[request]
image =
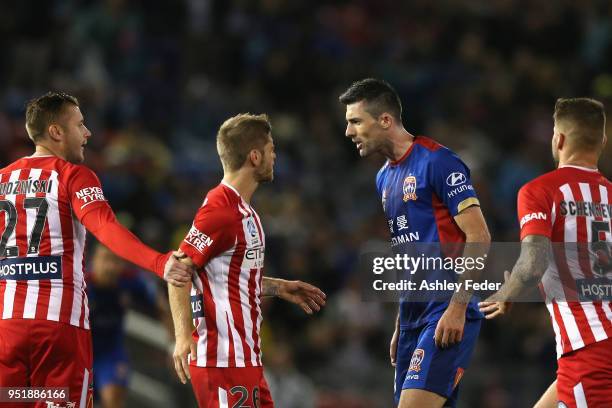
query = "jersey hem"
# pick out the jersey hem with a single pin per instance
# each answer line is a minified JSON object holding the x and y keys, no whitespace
{"x":47,"y":320}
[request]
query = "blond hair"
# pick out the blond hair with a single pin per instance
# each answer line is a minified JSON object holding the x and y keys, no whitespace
{"x":43,"y":111}
{"x":239,"y":135}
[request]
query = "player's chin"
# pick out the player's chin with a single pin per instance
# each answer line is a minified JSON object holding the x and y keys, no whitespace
{"x":77,"y":158}
{"x":363,"y":152}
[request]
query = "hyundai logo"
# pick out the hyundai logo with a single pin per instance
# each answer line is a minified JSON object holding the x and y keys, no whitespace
{"x":455,"y":179}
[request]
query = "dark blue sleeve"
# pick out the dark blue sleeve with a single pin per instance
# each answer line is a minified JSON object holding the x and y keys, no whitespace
{"x":450,"y":179}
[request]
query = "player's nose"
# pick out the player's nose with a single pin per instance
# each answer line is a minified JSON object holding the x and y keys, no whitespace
{"x":349,"y":132}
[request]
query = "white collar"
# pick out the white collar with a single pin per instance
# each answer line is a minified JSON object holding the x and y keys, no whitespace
{"x":226,"y":184}
{"x":579,"y":168}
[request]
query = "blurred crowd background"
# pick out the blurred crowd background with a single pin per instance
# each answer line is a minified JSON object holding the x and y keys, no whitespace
{"x":156,"y":78}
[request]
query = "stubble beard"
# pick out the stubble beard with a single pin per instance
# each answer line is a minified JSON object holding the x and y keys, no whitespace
{"x":264,"y":176}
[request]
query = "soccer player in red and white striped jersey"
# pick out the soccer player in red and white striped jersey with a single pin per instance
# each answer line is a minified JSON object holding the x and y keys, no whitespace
{"x":227,"y":245}
{"x":47,"y":202}
{"x":570,"y":205}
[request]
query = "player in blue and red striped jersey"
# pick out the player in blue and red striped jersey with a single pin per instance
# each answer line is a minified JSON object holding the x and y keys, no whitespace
{"x":427,"y":197}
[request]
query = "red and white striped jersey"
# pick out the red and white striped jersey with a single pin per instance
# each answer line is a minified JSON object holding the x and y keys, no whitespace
{"x":572,"y":205}
{"x":227,"y":244}
{"x":42,"y":200}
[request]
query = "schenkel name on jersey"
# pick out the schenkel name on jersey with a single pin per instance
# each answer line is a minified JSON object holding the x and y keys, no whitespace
{"x":585,"y":209}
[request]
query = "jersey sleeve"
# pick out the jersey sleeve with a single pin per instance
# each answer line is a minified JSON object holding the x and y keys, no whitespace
{"x":85,"y":191}
{"x":93,"y":211}
{"x":451,"y":181}
{"x":213,"y":232}
{"x":534,"y":211}
{"x":103,"y":224}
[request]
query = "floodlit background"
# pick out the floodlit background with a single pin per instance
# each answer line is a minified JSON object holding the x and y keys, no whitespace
{"x":156,"y":78}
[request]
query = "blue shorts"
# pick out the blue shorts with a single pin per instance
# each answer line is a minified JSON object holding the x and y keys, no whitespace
{"x":111,"y":368}
{"x":422,"y":365}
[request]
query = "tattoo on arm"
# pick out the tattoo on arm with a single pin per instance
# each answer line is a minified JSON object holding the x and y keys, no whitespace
{"x":270,"y":287}
{"x":529,"y":268}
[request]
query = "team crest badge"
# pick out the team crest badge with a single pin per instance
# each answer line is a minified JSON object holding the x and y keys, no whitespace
{"x":409,"y":188}
{"x":253,"y":237}
{"x":251,"y":228}
{"x":416,"y":360}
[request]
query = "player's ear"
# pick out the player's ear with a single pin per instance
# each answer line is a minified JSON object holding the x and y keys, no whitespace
{"x":55,"y":132}
{"x":385,"y":120}
{"x":559,"y":141}
{"x":255,"y":157}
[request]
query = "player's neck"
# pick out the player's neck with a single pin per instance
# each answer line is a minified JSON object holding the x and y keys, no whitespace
{"x":243,"y":183}
{"x":42,"y":150}
{"x":589,"y":162}
{"x":400,"y":143}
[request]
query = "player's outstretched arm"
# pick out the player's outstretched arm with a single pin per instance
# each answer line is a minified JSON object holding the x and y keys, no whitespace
{"x":180,"y":308}
{"x":526,"y":273}
{"x":308,"y":297}
{"x":103,"y":224}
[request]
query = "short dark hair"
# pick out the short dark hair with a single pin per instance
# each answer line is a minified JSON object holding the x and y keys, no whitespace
{"x":378,"y":94}
{"x":44,"y":110}
{"x":239,"y":135}
{"x":589,"y":117}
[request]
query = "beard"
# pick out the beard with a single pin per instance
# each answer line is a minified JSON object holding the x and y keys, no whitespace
{"x":264,"y":175}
